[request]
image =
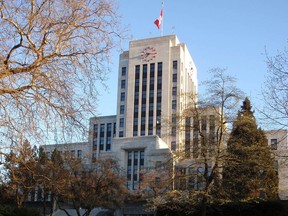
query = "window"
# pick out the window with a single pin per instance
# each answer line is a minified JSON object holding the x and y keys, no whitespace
{"x":174,"y":91}
{"x":123,"y":71}
{"x":136,"y":109}
{"x":158,"y":106}
{"x":135,"y":162}
{"x":123,"y":84}
{"x":114,"y":129}
{"x":151,"y":80}
{"x":121,"y":124}
{"x":151,"y":107}
{"x":144,"y":96}
{"x":144,"y":68}
{"x":122,"y":96}
{"x":109,"y":127}
{"x":95,"y":130}
{"x":212,"y":124}
{"x":173,"y":131}
{"x":159,"y":69}
{"x":200,"y":173}
{"x":203,"y":123}
{"x":136,"y":85}
{"x":174,"y":64}
{"x":122,"y":109}
{"x":108,"y":143}
{"x":121,"y":133}
{"x":108,"y":140}
{"x":136,"y":96}
{"x":174,"y":104}
{"x":276,"y":166}
{"x":137,"y":71}
{"x":95,"y":127}
{"x":274,"y":143}
{"x":102,"y":128}
{"x":79,"y":153}
{"x":173,"y":145}
{"x":174,"y":119}
{"x":174,"y":77}
{"x":187,"y":122}
{"x":143,"y":108}
{"x":152,"y":69}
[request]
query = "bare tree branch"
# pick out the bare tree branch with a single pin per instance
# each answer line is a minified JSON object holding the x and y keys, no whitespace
{"x":54,"y":57}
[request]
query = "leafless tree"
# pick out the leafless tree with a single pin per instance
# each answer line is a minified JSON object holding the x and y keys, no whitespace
{"x":54,"y":55}
{"x":275,"y":90}
{"x":100,"y":184}
{"x":204,"y":126}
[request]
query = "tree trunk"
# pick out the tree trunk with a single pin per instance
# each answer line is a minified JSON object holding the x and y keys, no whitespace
{"x":53,"y":205}
{"x":204,"y":206}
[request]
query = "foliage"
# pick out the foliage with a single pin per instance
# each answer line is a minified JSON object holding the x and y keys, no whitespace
{"x":6,"y":210}
{"x":53,"y":56}
{"x":249,"y":170}
{"x":21,"y":166}
{"x":263,"y":208}
{"x":175,"y":203}
{"x":6,"y":197}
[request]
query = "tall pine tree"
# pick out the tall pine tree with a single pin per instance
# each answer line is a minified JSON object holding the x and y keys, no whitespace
{"x":249,"y":169}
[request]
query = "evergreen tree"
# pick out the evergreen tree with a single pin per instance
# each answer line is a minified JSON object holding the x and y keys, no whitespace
{"x":249,"y":170}
{"x":20,"y":165}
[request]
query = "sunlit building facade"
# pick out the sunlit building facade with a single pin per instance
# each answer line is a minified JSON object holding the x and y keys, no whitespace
{"x":157,"y":79}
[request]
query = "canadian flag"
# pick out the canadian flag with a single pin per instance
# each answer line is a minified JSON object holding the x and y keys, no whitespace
{"x":158,"y":21}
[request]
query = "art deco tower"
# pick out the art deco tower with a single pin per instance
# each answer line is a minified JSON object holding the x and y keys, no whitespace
{"x":153,"y":75}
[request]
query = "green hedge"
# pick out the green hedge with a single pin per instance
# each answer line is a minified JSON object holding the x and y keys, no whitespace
{"x":6,"y":210}
{"x":269,"y":208}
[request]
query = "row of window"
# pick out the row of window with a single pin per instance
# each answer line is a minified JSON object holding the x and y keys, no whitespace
{"x":143,"y":97}
{"x":71,"y":153}
{"x":122,"y":99}
{"x":102,"y":137}
{"x":174,"y":105}
{"x":135,"y":164}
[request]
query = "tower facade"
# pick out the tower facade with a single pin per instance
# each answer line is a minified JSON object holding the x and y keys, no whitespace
{"x":154,"y":76}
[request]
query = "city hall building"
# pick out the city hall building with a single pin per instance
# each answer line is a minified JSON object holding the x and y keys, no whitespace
{"x":157,"y":79}
{"x":151,"y":76}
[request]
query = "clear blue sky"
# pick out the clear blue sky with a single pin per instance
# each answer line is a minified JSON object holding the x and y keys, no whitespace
{"x":229,"y":34}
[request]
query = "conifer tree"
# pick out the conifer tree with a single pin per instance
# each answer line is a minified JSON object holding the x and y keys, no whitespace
{"x":249,"y":170}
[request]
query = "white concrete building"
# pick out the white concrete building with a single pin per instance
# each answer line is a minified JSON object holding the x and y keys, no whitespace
{"x":152,"y":76}
{"x":278,"y":140}
{"x":155,"y":75}
{"x":102,"y":130}
{"x":79,"y":150}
